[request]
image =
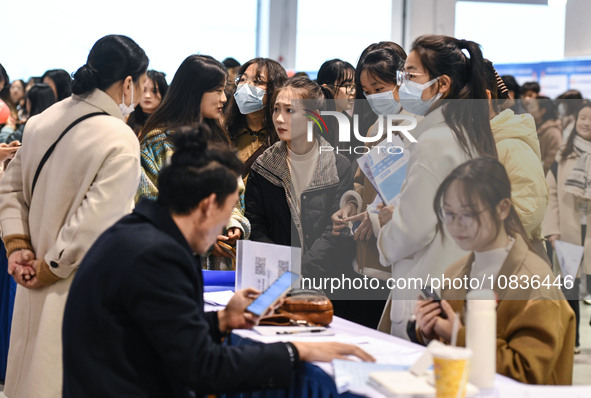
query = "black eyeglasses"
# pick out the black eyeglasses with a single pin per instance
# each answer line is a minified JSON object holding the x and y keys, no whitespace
{"x":242,"y":79}
{"x":349,"y":88}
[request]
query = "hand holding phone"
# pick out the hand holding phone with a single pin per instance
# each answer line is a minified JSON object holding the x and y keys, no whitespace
{"x":273,"y":293}
{"x":429,"y":293}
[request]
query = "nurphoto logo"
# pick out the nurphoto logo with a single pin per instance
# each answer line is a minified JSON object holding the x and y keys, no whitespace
{"x":393,"y":125}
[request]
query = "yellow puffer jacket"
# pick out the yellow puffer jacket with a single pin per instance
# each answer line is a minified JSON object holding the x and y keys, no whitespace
{"x":519,"y":151}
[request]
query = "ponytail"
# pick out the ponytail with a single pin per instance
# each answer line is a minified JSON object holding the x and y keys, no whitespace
{"x":469,"y":120}
{"x":111,"y":59}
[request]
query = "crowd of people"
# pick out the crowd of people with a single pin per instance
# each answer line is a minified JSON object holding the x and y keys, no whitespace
{"x":119,"y":187}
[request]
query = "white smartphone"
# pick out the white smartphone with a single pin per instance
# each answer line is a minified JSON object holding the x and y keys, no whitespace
{"x":273,"y":293}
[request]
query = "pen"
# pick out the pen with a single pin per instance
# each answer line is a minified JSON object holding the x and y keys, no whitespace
{"x":301,"y":331}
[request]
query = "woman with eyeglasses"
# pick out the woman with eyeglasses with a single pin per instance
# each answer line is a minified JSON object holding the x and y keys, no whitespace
{"x":535,"y":332}
{"x":337,"y":79}
{"x":250,"y":118}
{"x":439,"y":71}
{"x":195,"y":95}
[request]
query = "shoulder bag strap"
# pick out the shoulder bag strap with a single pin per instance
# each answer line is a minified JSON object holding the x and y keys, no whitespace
{"x":52,"y":147}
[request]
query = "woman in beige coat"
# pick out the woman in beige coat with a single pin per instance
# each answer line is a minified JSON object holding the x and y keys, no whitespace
{"x":86,"y":184}
{"x":570,"y":194}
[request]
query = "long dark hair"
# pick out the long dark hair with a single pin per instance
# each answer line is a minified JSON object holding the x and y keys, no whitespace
{"x":41,"y":97}
{"x":570,"y":143}
{"x":276,"y":76}
{"x":366,"y":115}
{"x":4,"y":91}
{"x":62,"y":81}
{"x":469,"y":120}
{"x":489,"y":191}
{"x":551,"y":110}
{"x":111,"y":59}
{"x":138,"y":117}
{"x":181,"y":106}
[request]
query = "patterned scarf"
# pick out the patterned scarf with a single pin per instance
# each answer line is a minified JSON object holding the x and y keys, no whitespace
{"x":578,"y":182}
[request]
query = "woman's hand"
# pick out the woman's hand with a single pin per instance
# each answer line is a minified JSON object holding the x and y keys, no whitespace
{"x":365,"y":230}
{"x":21,"y":265}
{"x":339,"y":217}
{"x":385,"y":214}
{"x":552,"y":239}
{"x":7,"y":151}
{"x":427,"y":314}
{"x":444,"y":327}
{"x":233,"y":234}
{"x":218,"y":250}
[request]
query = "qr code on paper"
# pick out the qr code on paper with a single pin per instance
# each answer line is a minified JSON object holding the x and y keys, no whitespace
{"x":260,"y":267}
{"x":283,"y":267}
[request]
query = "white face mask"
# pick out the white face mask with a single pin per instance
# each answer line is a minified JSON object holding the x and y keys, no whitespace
{"x":410,"y":94}
{"x":249,"y":98}
{"x":383,"y":103}
{"x":127,"y":109}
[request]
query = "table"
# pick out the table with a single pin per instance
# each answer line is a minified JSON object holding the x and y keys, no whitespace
{"x":316,"y":381}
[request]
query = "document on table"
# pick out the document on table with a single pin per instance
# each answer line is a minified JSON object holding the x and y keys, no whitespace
{"x":259,"y":264}
{"x":354,"y":375}
{"x":385,"y":167}
{"x":218,"y":299}
{"x":569,"y":257}
{"x":404,"y":384}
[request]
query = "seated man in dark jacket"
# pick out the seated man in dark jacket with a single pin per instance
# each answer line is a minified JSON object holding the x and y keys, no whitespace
{"x":134,"y":322}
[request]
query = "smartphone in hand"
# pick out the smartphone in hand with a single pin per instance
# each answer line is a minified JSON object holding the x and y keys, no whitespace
{"x":273,"y":293}
{"x":428,"y":293}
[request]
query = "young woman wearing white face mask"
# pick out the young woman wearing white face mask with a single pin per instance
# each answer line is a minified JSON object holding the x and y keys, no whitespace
{"x":451,"y":133}
{"x":249,"y":119}
{"x":86,"y":184}
{"x":377,"y":75}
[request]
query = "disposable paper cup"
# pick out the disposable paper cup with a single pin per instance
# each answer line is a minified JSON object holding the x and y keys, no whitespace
{"x":451,"y":369}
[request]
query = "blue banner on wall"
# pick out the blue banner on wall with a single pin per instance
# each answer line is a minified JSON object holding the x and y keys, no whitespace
{"x":554,"y":77}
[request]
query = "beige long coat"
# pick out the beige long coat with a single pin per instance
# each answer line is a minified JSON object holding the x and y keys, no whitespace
{"x":562,"y":216}
{"x":86,"y":185}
